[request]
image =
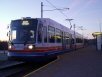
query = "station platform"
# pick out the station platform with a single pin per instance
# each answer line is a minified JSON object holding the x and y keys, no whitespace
{"x":3,"y":55}
{"x":85,"y":62}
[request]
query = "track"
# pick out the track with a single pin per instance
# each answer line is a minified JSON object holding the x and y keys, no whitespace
{"x":21,"y":69}
{"x":9,"y":69}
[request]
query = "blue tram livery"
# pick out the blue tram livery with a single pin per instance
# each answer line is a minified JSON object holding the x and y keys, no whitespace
{"x":40,"y":38}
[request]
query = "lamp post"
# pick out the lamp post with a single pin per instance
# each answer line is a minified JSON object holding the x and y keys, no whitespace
{"x":81,"y":28}
{"x":74,"y":26}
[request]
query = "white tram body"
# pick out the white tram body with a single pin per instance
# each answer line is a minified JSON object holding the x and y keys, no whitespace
{"x":38,"y":38}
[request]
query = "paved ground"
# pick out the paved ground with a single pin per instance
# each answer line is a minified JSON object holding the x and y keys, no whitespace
{"x":3,"y":56}
{"x":85,"y":62}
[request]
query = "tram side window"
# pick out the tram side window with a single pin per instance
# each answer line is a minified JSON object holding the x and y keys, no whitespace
{"x":67,"y":37}
{"x":78,"y":40}
{"x":58,"y":36}
{"x":40,"y":33}
{"x":45,"y":33}
{"x":51,"y":34}
{"x":72,"y":40}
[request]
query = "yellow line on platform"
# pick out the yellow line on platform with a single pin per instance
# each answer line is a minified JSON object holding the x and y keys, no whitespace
{"x":41,"y":68}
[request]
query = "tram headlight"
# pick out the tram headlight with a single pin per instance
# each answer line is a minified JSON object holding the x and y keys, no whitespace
{"x":9,"y":46}
{"x":30,"y":46}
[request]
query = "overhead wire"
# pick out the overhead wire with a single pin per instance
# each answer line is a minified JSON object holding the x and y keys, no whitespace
{"x":60,"y":12}
{"x":57,"y":8}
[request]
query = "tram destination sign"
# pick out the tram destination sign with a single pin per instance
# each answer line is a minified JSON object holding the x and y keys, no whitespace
{"x":25,"y":23}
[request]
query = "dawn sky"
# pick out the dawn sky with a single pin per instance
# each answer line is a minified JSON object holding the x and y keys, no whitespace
{"x":86,"y":13}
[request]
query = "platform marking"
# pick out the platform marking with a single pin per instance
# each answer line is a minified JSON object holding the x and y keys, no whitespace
{"x":41,"y":67}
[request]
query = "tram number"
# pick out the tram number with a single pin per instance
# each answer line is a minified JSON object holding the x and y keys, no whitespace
{"x":32,"y":34}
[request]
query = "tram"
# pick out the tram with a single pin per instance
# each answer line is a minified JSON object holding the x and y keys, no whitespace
{"x":39,"y":39}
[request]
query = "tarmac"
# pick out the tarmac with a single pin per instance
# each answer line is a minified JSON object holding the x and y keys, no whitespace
{"x":3,"y":55}
{"x":85,"y":62}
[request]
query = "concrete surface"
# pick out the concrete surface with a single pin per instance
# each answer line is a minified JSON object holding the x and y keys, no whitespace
{"x":3,"y":55}
{"x":86,"y":62}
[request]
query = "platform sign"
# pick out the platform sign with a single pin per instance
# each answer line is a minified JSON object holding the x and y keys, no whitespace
{"x":99,"y":42}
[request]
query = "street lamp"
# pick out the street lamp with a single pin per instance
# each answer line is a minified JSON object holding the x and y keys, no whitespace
{"x":74,"y":26}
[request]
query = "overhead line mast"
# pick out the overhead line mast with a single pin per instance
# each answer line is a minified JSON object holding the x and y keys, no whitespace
{"x":41,"y":9}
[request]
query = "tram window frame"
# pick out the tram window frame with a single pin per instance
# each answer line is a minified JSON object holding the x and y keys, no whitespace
{"x":67,"y":37}
{"x":72,"y":40}
{"x":78,"y":40}
{"x":40,"y":26}
{"x":51,"y":34}
{"x":59,"y":34}
{"x":14,"y":34}
{"x":45,"y":34}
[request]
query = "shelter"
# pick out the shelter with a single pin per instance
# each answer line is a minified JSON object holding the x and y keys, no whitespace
{"x":98,"y":36}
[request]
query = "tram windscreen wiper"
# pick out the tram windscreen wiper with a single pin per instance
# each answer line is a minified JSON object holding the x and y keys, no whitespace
{"x":25,"y":42}
{"x":12,"y":43}
{"x":25,"y":38}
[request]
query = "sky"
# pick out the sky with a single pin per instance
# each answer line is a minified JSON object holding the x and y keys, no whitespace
{"x":86,"y":13}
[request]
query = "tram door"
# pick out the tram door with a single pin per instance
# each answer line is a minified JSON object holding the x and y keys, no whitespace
{"x":64,"y":44}
{"x":65,"y":41}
